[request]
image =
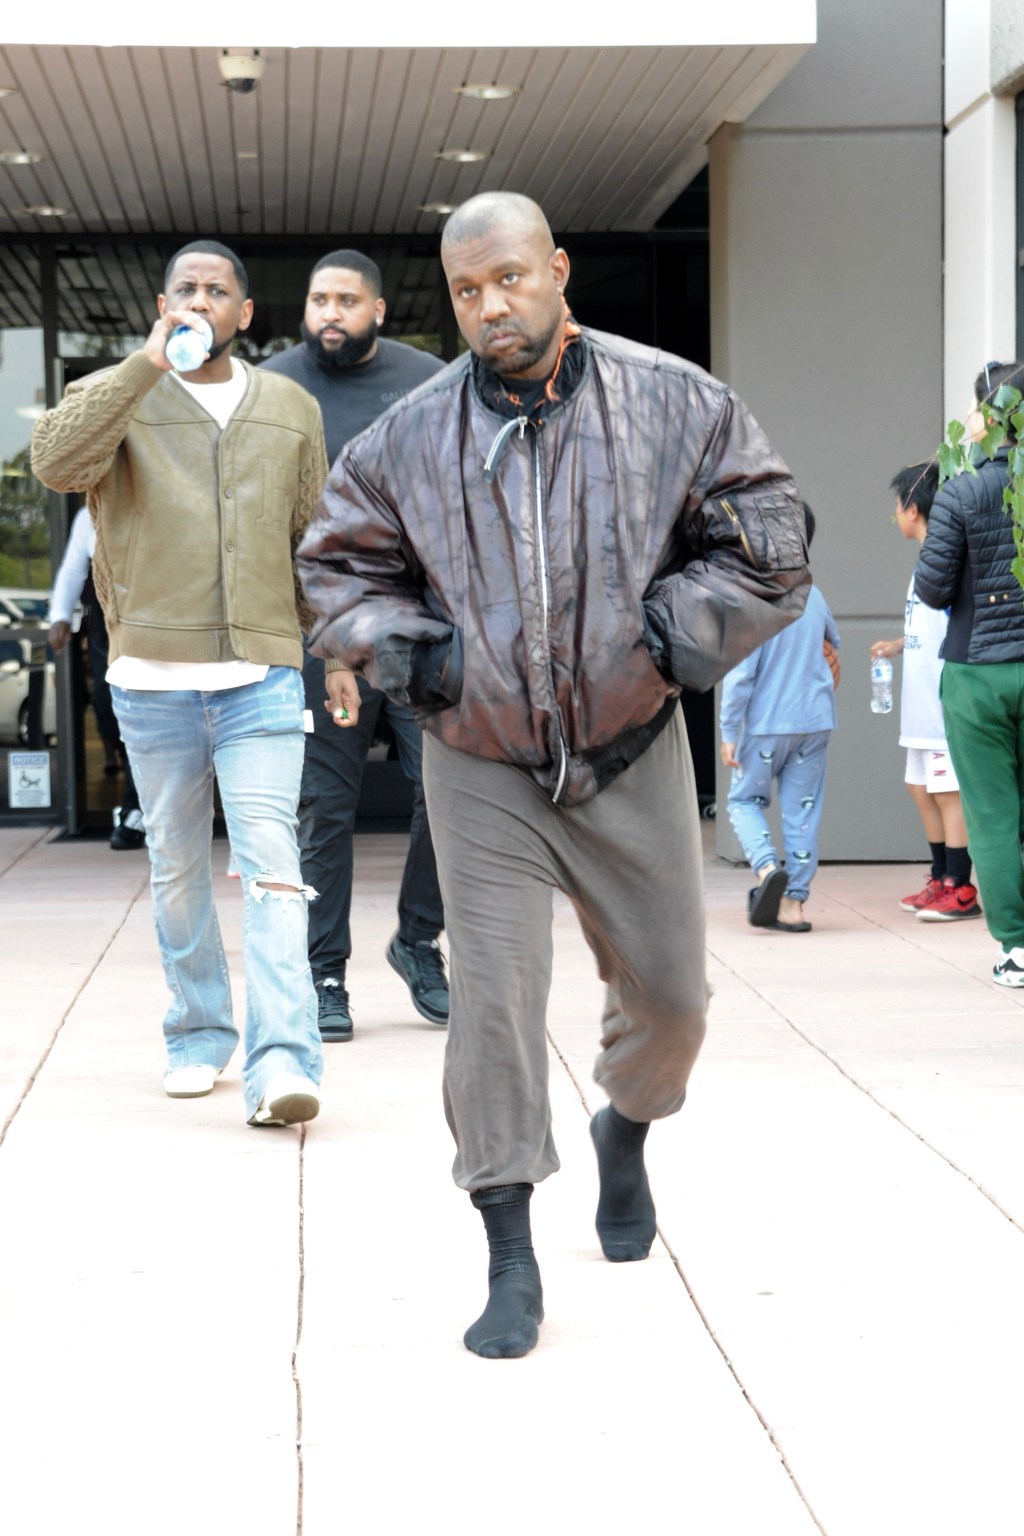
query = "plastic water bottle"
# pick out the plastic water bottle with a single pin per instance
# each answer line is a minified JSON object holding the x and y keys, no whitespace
{"x":186,"y":348}
{"x":881,"y":685}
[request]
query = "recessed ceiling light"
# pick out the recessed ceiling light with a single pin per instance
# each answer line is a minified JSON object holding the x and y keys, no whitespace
{"x":8,"y":90}
{"x":493,"y":92}
{"x":247,"y":154}
{"x":437,"y":207}
{"x":47,"y":211}
{"x":20,"y":157}
{"x":462,"y":156}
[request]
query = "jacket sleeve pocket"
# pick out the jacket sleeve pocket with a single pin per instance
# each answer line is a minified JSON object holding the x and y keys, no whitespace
{"x":767,"y":526}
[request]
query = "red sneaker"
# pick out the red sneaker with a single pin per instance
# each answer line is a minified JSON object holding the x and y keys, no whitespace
{"x":953,"y":903}
{"x":931,"y":892}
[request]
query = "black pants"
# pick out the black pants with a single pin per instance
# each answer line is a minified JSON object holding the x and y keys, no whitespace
{"x":332,"y":776}
{"x":110,"y":731}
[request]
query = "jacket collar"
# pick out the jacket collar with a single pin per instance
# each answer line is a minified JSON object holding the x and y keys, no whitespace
{"x":513,"y":399}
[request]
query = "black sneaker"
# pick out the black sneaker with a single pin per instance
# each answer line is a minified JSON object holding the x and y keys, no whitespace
{"x":421,"y":967}
{"x":333,"y":1016}
{"x":129,"y":831}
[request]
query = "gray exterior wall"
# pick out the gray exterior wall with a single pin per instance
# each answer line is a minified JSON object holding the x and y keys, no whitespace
{"x":1007,"y":45}
{"x":826,"y":317}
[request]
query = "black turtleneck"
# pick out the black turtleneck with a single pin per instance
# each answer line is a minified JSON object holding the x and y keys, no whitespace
{"x":533,"y":402}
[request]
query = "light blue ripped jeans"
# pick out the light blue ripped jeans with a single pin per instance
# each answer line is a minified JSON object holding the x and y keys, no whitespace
{"x":797,"y":763}
{"x":252,"y":739}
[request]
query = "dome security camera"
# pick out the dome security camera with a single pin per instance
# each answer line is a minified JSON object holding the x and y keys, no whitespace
{"x":241,"y":72}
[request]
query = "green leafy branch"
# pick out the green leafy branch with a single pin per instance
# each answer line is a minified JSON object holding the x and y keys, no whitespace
{"x":1003,"y":416}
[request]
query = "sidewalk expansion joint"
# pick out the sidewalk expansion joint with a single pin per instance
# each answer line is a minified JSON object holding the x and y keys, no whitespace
{"x":31,"y":847}
{"x":872,"y":1098}
{"x":299,"y":1306}
{"x":755,"y":1410}
{"x":41,"y":1063}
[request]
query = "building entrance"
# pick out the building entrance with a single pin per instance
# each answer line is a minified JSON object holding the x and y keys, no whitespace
{"x":96,"y":299}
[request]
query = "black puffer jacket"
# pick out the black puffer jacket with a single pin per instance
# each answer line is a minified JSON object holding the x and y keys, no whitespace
{"x":516,"y":581}
{"x":964,"y":565}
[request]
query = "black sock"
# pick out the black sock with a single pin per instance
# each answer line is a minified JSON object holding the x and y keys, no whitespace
{"x":958,"y":865}
{"x":625,"y":1210}
{"x":939,"y":856}
{"x":507,"y":1327}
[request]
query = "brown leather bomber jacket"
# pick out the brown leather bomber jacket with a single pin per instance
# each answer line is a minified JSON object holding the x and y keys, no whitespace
{"x":542,"y":594}
{"x":195,"y":527}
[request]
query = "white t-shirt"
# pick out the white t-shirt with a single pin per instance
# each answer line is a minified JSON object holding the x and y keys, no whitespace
{"x":921,"y":722}
{"x":221,"y":401}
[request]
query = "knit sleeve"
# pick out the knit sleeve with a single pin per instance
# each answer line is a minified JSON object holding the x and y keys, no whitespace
{"x":312,"y":476}
{"x":74,"y":445}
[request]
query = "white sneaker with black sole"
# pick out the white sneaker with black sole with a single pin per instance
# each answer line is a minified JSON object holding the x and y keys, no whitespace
{"x":1008,"y":970}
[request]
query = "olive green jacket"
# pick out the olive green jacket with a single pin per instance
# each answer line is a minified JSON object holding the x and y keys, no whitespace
{"x":196,"y":528}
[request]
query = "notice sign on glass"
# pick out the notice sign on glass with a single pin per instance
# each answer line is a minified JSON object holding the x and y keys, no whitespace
{"x":28,"y":780}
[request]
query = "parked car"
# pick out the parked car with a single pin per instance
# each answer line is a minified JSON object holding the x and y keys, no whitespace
{"x":19,"y":656}
{"x":22,"y":606}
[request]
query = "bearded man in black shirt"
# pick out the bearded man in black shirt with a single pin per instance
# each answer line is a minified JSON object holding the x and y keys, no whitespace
{"x":356,"y":374}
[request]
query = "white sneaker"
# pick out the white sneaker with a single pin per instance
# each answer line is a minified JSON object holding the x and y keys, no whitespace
{"x":1008,"y":970}
{"x":191,"y":1082}
{"x":288,"y":1100}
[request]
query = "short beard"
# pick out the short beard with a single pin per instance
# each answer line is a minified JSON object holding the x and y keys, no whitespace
{"x":220,"y":347}
{"x":531,"y":352}
{"x":352,"y":350}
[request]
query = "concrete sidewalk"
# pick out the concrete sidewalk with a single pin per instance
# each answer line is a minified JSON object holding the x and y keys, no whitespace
{"x":212,"y":1329}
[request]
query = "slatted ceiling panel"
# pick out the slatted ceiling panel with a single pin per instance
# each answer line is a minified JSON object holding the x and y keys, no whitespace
{"x":147,"y":139}
{"x":674,"y":151}
{"x":567,"y":163}
{"x":352,"y":95}
{"x":423,"y":92}
{"x":325,"y":137}
{"x":651,"y":103}
{"x":533,"y":144}
{"x":75,"y":175}
{"x":78,"y":81}
{"x":270,"y":106}
{"x":300,"y":72}
{"x":389,"y":79}
{"x":218,"y":126}
{"x":126,"y":69}
{"x":391,"y":89}
{"x":38,"y":183}
{"x":146,"y":204}
{"x":600,"y":193}
{"x":155,"y":85}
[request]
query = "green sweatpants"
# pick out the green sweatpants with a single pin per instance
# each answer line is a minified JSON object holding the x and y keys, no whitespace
{"x":983,"y":707}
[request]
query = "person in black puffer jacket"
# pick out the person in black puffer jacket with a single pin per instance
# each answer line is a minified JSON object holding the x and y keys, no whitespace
{"x":965,"y":566}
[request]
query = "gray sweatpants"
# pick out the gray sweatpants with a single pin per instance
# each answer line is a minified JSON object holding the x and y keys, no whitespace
{"x":630,"y":861}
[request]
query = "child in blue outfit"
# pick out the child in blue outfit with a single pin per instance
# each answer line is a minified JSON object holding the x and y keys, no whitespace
{"x":777,"y":713}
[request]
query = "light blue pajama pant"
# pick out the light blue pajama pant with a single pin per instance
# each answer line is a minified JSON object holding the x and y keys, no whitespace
{"x":797,"y":763}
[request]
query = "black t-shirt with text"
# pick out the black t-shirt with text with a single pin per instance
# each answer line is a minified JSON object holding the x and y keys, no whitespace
{"x":351,"y":398}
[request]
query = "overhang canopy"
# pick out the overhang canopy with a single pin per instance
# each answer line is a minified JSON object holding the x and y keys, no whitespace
{"x":125,"y":139}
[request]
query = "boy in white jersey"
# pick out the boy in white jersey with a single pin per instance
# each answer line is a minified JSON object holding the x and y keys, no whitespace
{"x":948,"y":895}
